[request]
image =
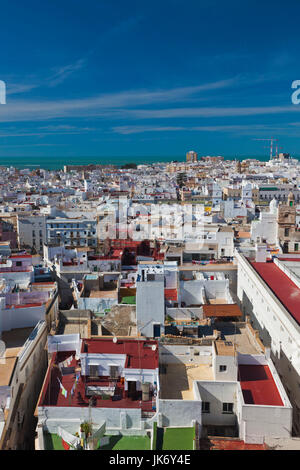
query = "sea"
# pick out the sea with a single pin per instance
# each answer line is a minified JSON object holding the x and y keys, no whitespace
{"x":58,"y":162}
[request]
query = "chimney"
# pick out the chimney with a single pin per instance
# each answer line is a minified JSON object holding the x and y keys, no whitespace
{"x":261,"y":253}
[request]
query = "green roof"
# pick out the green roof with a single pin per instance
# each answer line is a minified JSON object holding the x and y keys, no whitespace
{"x":268,"y":189}
{"x":127,"y":443}
{"x":178,"y":439}
{"x":130,"y":300}
{"x":52,"y":442}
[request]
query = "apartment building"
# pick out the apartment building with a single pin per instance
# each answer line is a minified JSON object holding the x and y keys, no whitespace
{"x":268,"y":291}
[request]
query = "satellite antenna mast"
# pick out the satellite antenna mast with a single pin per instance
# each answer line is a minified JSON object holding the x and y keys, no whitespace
{"x":271,"y":146}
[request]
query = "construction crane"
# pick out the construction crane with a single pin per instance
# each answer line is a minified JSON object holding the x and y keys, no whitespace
{"x":271,"y":145}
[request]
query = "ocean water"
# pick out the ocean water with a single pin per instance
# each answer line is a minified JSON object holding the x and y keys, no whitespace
{"x":57,"y":162}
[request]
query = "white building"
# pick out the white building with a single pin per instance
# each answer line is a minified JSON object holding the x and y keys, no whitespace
{"x":32,"y":232}
{"x":266,"y":227}
{"x":269,"y":293}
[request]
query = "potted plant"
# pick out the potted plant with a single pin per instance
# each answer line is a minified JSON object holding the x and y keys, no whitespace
{"x":86,"y":428}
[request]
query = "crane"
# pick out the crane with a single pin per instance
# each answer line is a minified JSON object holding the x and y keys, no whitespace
{"x":271,"y":145}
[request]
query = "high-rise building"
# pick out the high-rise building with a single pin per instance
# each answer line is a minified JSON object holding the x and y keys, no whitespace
{"x":191,"y":156}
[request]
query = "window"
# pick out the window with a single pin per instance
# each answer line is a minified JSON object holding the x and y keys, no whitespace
{"x":18,"y":263}
{"x":205,"y":407}
{"x":114,"y":372}
{"x":93,"y":370}
{"x":222,"y":368}
{"x":228,"y":408}
{"x":286,"y":232}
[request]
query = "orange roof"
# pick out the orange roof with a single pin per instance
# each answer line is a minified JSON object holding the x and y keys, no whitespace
{"x":229,"y":444}
{"x":171,"y":294}
{"x":222,"y":310}
{"x":244,"y":234}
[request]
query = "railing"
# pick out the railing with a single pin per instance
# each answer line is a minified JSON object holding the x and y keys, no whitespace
{"x":31,"y":338}
{"x":15,"y":269}
{"x":148,"y":414}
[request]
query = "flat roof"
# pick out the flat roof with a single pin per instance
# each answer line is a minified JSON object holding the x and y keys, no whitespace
{"x":177,"y":383}
{"x":292,"y":265}
{"x":139,"y":352}
{"x":224,"y":348}
{"x":7,"y":365}
{"x":281,"y":285}
{"x":14,"y":341}
{"x":258,"y":385}
{"x":222,"y":310}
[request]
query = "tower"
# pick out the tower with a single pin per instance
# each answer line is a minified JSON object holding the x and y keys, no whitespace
{"x":287,"y":222}
{"x":191,"y":156}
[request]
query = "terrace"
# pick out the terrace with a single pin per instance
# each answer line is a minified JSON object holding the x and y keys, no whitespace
{"x":258,"y":386}
{"x":14,"y":341}
{"x":177,"y":381}
{"x":101,"y":391}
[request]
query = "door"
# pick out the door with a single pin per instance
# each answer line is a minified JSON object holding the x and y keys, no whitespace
{"x":131,"y":389}
{"x":156,"y":331}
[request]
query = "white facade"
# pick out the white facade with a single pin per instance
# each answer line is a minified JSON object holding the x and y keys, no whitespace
{"x":277,"y":328}
{"x":32,"y":232}
{"x":266,"y":227}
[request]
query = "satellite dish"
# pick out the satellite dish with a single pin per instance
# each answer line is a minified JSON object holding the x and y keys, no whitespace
{"x":115,"y":339}
{"x":154,"y":347}
{"x":2,"y":348}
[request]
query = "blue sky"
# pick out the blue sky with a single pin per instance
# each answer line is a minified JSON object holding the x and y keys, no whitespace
{"x":140,"y":78}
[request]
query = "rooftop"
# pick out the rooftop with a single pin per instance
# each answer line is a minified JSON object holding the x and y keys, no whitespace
{"x":281,"y":285}
{"x":224,"y":348}
{"x":140,"y":354}
{"x":14,"y":341}
{"x":177,"y":382}
{"x":222,"y":310}
{"x":258,"y":385}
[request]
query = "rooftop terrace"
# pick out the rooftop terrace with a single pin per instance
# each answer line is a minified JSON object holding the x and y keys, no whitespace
{"x":112,"y":393}
{"x":258,"y":385}
{"x":177,"y":382}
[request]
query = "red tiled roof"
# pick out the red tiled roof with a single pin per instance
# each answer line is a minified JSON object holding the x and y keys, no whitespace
{"x":229,"y":444}
{"x":258,"y":385}
{"x":282,"y":286}
{"x":222,"y":310}
{"x":171,"y":294}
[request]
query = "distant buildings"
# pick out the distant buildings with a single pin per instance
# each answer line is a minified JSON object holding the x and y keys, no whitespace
{"x":191,"y":156}
{"x":165,"y":296}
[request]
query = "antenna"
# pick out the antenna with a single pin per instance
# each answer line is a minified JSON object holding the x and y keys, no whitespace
{"x":271,"y":145}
